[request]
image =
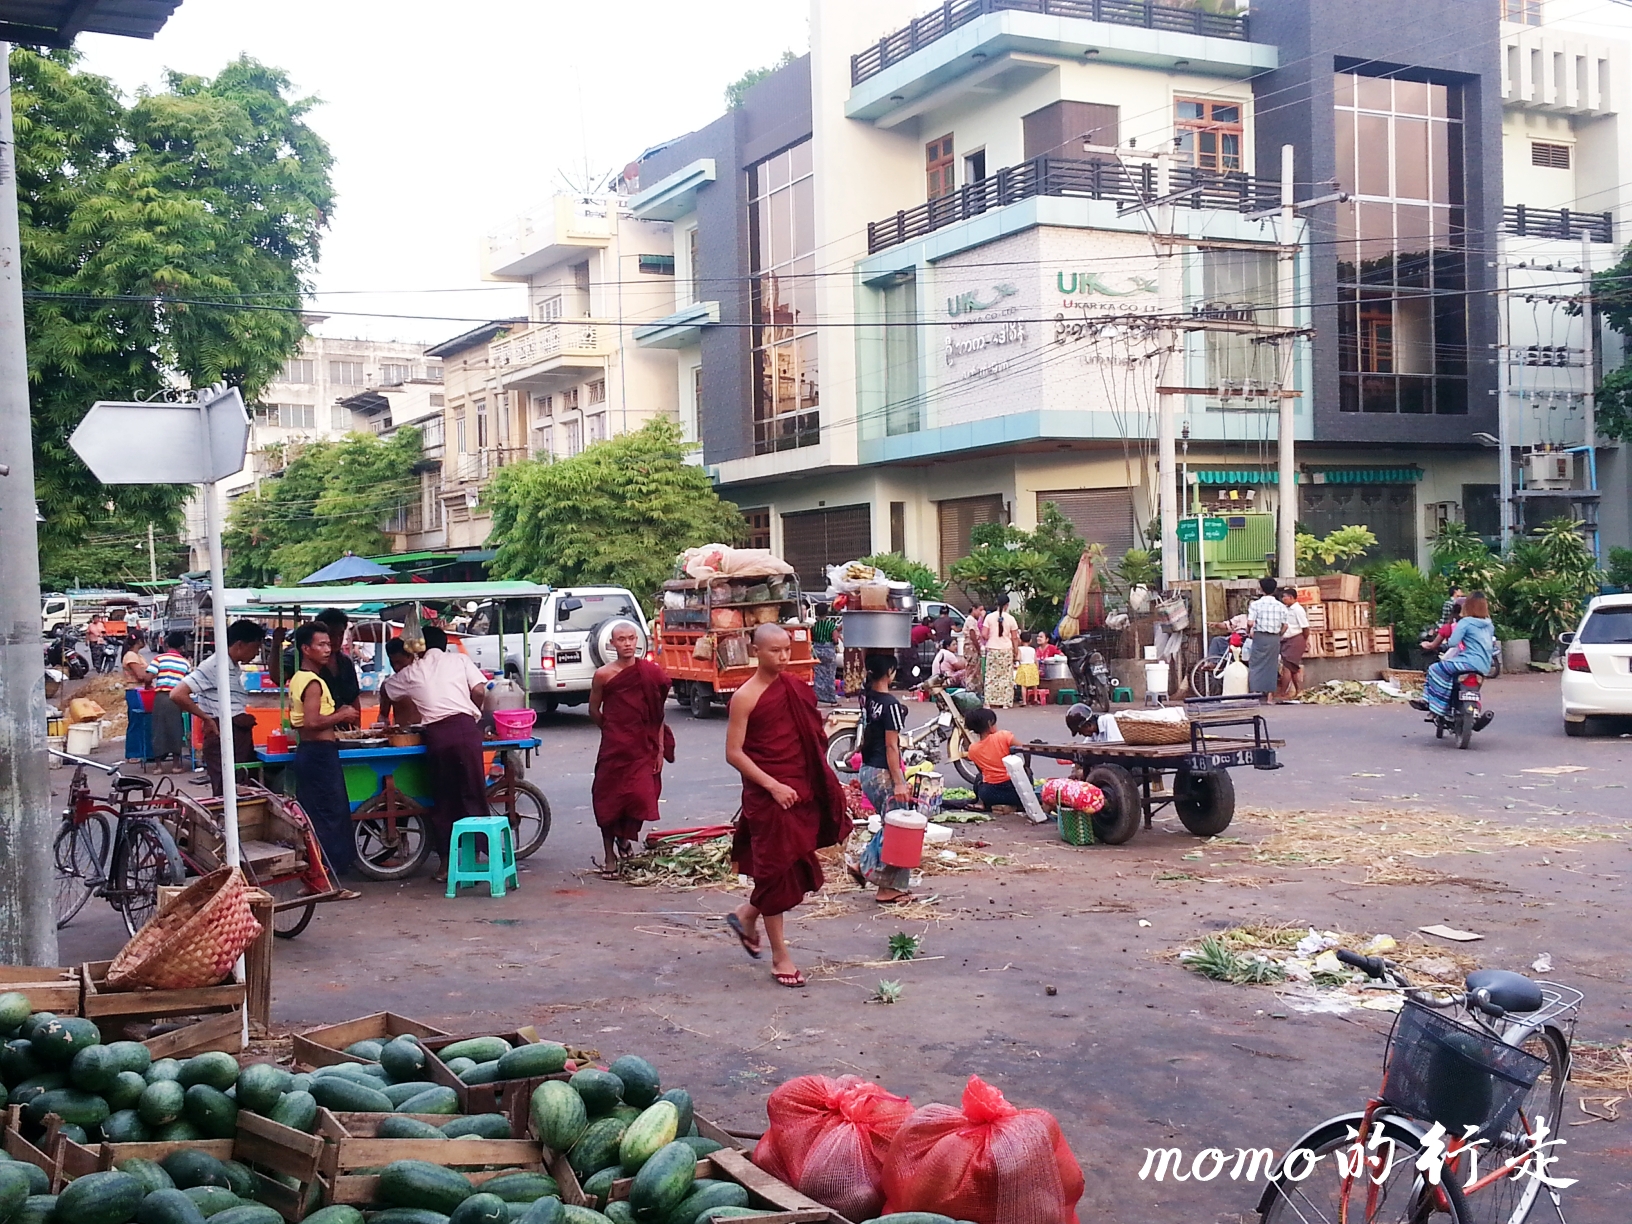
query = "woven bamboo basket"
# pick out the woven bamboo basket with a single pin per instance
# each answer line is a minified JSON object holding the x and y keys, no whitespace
{"x":1149,"y":732}
{"x":193,"y":940}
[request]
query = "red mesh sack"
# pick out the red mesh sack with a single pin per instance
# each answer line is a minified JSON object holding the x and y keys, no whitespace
{"x":987,"y":1162}
{"x":828,"y":1137}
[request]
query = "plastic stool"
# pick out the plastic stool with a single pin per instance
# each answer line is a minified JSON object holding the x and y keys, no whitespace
{"x":1066,"y":697}
{"x":1037,"y":696}
{"x":1122,"y":695}
{"x":501,"y":855}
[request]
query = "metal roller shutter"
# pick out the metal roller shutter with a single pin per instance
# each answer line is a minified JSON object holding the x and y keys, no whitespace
{"x":812,"y":540}
{"x":958,"y":517}
{"x":1101,"y":516}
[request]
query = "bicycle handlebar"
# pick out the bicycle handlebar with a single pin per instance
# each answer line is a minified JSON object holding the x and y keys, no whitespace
{"x":110,"y":770}
{"x":1377,"y":967}
{"x":1372,"y":966}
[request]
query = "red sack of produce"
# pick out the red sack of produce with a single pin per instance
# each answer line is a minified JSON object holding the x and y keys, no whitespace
{"x":987,"y":1162}
{"x":828,"y":1137}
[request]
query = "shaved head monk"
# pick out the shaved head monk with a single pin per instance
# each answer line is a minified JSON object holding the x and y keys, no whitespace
{"x":626,"y":702}
{"x":792,"y":804}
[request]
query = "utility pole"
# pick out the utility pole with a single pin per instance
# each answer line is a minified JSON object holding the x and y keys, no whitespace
{"x":1286,"y":535}
{"x":1170,"y":293}
{"x":1504,"y":446}
{"x":152,"y":563}
{"x":28,"y":930}
{"x":1589,"y":397}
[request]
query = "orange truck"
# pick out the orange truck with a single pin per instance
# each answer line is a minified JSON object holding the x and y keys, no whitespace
{"x":703,"y":627}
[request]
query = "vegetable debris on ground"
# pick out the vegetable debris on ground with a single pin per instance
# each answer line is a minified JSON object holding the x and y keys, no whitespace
{"x":702,"y":865}
{"x":1347,"y":692}
{"x":1269,"y":953}
{"x":1372,"y":837}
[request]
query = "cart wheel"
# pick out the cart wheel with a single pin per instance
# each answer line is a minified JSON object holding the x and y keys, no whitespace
{"x":1118,"y":820}
{"x":841,"y":746}
{"x":531,"y":823}
{"x":287,"y":923}
{"x":967,"y":769}
{"x":1205,"y":801}
{"x":701,"y":699}
{"x":379,"y":855}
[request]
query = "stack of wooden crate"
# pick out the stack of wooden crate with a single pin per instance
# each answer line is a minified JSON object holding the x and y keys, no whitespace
{"x":1340,"y":627}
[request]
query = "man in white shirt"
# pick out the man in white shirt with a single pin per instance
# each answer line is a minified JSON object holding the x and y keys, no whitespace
{"x":1294,"y":641}
{"x":446,"y":688}
{"x":197,"y":695}
{"x":1266,"y":617}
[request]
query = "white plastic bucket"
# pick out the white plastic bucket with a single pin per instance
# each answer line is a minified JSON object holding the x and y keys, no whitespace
{"x":1156,"y":677}
{"x":81,"y":739}
{"x":56,"y":743}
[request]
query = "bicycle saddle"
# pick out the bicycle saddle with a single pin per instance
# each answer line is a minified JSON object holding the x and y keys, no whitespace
{"x":1509,"y":991}
{"x":145,"y":785}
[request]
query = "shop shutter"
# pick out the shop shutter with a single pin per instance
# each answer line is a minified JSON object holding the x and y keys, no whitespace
{"x":958,"y":518}
{"x":1101,"y":516}
{"x":812,"y":540}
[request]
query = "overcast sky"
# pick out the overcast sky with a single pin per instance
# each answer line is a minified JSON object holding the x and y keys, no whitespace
{"x":446,"y":119}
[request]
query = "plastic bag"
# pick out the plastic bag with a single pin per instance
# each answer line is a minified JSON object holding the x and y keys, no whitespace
{"x":987,"y":1162}
{"x":828,"y":1139}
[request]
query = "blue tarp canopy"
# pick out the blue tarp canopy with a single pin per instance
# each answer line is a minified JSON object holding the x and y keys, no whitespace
{"x":348,"y":569}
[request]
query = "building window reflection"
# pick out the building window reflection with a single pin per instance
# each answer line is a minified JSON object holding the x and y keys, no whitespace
{"x":782,"y":240}
{"x":1401,"y":248}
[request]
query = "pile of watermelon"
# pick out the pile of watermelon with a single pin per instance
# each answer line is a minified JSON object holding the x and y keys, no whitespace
{"x":398,"y":1065}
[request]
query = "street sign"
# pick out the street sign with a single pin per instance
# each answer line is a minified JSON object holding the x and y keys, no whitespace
{"x":1212,"y":529}
{"x":165,"y":443}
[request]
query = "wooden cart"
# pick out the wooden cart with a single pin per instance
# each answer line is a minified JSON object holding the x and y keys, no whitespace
{"x":279,"y":849}
{"x":1138,"y":780}
{"x":721,"y":613}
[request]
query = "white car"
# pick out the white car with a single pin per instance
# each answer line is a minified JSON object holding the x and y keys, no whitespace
{"x":1597,"y":676}
{"x":565,"y":639}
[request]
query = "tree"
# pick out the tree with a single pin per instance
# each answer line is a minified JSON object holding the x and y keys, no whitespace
{"x":1612,"y":302}
{"x":619,"y":513}
{"x":926,"y":583}
{"x":164,"y":244}
{"x":738,"y":89}
{"x":329,"y":500}
{"x":1035,"y":565}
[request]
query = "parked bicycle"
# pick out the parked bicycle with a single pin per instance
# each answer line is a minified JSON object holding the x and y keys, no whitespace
{"x":1207,"y":676}
{"x":1492,"y":1076}
{"x":125,"y":864}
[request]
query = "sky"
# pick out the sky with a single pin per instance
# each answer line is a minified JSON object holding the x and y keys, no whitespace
{"x":448,"y":120}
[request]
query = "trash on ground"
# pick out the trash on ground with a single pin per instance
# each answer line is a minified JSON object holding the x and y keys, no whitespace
{"x":1302,"y":963}
{"x":703,"y":865}
{"x":1446,"y":932}
{"x":1542,"y":963}
{"x":1554,"y":770}
{"x":1352,"y":692}
{"x":1372,"y":836}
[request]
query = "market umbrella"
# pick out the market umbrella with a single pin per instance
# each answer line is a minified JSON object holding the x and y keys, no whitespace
{"x":1076,"y":599}
{"x":348,"y":568}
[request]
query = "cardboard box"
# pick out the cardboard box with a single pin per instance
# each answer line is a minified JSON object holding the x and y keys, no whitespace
{"x":326,"y":1045}
{"x":49,"y":989}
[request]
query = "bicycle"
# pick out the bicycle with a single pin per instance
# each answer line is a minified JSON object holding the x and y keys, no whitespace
{"x":1493,"y":1080}
{"x":126,"y":867}
{"x":1207,"y":676}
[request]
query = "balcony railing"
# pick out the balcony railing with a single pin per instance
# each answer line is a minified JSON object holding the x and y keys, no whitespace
{"x":1087,"y":180}
{"x":1522,"y":221}
{"x":545,"y":342}
{"x":949,"y":16}
{"x":480,"y":465}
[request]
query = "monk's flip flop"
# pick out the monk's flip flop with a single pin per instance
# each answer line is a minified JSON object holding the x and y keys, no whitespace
{"x":793,"y":981}
{"x":902,"y":899}
{"x":735,"y":923}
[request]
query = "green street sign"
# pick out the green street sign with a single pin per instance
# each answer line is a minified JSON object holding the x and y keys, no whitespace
{"x":1212,"y":529}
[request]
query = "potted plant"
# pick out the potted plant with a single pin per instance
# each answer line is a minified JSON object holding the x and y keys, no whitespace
{"x":1138,"y":572}
{"x":1336,"y":553}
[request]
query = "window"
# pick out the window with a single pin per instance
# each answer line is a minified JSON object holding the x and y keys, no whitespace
{"x":543,"y":406}
{"x":436,"y":399}
{"x":1209,"y":133}
{"x":481,"y":424}
{"x":461,"y":439}
{"x":431,"y":435}
{"x":694,"y":265}
{"x":898,"y":527}
{"x":1524,"y":12}
{"x":501,"y":410}
{"x":340,"y":418}
{"x":288,"y":416}
{"x":549,"y":309}
{"x":572,"y":437}
{"x":974,"y":166}
{"x":1549,"y":156}
{"x":940,"y":171}
{"x":595,"y":428}
{"x":580,"y":276}
{"x":346,"y":373}
{"x":569,"y":399}
{"x":1239,"y":285}
{"x":694,"y":426}
{"x":1401,"y":250}
{"x":657,"y":265}
{"x":296,"y":370}
{"x":782,"y":246}
{"x":546,"y":441}
{"x":433,"y":373}
{"x":392,"y":372}
{"x":597,"y":391}
{"x":902,"y":403}
{"x":759,"y":527}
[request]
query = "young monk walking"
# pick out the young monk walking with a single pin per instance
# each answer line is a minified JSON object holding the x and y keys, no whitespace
{"x":792,"y":804}
{"x":626,"y":702}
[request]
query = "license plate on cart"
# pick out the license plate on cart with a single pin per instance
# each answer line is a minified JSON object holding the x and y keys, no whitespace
{"x":1230,"y":758}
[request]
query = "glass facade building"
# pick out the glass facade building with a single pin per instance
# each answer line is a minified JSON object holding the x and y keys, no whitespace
{"x":1401,"y":251}
{"x":782,"y":244}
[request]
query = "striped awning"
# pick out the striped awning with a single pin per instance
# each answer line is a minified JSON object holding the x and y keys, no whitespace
{"x":1236,"y":476}
{"x":1405,"y":475}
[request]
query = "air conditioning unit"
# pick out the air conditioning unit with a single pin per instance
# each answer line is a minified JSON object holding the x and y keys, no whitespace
{"x":1550,"y":469}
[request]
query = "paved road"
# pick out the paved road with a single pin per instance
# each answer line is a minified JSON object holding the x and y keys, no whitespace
{"x":1040,"y":975}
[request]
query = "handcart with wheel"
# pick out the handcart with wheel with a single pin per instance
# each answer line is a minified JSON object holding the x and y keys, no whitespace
{"x":1138,"y":780}
{"x":278,"y":848}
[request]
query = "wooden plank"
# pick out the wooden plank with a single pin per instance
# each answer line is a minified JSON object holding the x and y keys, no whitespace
{"x":48,"y":987}
{"x":361,"y":1189}
{"x":258,"y":966}
{"x":267,"y":859}
{"x":102,"y":1002}
{"x":725,"y":1138}
{"x":372,"y":1153}
{"x":736,"y":1166}
{"x":280,"y":1148}
{"x":325,"y":1046}
{"x":224,"y":1032}
{"x":285,"y":1200}
{"x":620,"y":1188}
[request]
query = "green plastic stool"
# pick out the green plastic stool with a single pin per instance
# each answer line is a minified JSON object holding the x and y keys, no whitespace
{"x":1066,"y":697}
{"x":1122,"y":695}
{"x":501,"y":855}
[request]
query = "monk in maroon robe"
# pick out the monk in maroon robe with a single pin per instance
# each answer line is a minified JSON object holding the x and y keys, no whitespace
{"x":792,"y":804}
{"x":626,"y":702}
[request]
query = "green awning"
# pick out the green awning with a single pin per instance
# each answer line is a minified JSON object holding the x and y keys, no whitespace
{"x":399,"y":558}
{"x":1405,"y":475}
{"x":1236,"y":476}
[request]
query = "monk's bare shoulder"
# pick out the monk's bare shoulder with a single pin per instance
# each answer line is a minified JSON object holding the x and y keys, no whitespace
{"x":747,"y":697}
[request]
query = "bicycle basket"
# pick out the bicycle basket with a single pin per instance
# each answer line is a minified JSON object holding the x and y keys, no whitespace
{"x":1441,"y":1070}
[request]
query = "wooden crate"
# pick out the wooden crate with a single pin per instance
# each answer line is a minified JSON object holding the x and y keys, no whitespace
{"x":1341,"y":615}
{"x":502,"y":1096}
{"x":1335,"y":587}
{"x":19,"y":1148}
{"x":219,"y":1008}
{"x":1360,"y":642}
{"x":787,"y":1204}
{"x":48,"y":988}
{"x":1340,"y":643}
{"x":1320,"y":645}
{"x":1382,"y":639}
{"x":326,"y":1045}
{"x":1316,"y":612}
{"x":78,"y":1159}
{"x":270,"y":1148}
{"x":351,"y":1145}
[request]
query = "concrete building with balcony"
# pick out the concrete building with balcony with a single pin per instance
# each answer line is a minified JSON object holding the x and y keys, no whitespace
{"x":306,"y":403}
{"x":417,"y":524}
{"x":594,"y":273}
{"x":484,"y":427}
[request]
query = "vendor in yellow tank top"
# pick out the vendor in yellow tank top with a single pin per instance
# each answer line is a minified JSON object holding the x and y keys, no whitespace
{"x":320,"y":784}
{"x":298,"y":684}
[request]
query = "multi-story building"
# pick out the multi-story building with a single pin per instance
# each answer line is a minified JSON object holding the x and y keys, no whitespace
{"x":417,"y":523}
{"x":305,"y":403}
{"x":484,"y":427}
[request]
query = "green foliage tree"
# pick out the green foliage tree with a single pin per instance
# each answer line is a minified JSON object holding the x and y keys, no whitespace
{"x":1464,"y":560}
{"x":1545,"y":583}
{"x":738,"y":89}
{"x":1336,"y":552}
{"x":1035,"y":565}
{"x":1620,"y":567}
{"x":165,"y":242}
{"x":1612,"y":301}
{"x":926,"y":583}
{"x":617,"y":513}
{"x":331,"y":499}
{"x":1407,"y":599}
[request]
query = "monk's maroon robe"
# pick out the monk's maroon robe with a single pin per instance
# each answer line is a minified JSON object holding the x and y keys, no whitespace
{"x":634,"y":738}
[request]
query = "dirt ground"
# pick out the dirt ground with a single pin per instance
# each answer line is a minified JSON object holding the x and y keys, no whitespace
{"x":1050,"y":971}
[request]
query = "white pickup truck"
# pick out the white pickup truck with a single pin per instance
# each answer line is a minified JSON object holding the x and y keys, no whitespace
{"x":567,"y":636}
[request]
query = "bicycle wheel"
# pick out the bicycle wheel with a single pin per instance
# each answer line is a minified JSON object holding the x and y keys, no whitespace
{"x":384,"y":853}
{"x":1206,"y":680}
{"x":79,"y":852}
{"x":287,"y":922}
{"x":841,"y":746}
{"x":145,"y":859}
{"x":1402,"y":1195}
{"x":1509,"y":1200}
{"x":530,"y":824}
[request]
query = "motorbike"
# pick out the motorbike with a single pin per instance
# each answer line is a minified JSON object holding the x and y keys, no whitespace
{"x":1089,"y":670}
{"x":1468,"y":713}
{"x":62,"y":654}
{"x":944,"y":737}
{"x":107,"y":655}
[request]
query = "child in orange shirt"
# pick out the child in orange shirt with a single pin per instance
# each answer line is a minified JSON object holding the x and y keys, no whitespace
{"x":995,"y":790}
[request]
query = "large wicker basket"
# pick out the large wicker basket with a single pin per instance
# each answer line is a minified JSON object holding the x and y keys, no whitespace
{"x":193,"y":940}
{"x":1147,"y":732}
